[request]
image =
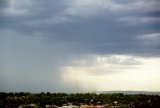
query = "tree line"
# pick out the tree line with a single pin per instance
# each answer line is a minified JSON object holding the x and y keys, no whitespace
{"x":13,"y":100}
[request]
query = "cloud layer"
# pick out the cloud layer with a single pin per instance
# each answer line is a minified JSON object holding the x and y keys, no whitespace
{"x":44,"y":42}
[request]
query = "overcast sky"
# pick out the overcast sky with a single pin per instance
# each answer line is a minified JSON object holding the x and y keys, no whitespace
{"x":79,"y":45}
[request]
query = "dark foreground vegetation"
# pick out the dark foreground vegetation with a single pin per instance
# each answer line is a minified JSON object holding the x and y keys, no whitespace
{"x":14,"y":100}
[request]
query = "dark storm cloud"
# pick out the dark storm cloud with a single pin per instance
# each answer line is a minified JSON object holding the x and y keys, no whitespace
{"x":3,"y":4}
{"x":12,"y":17}
{"x":102,"y":33}
{"x":72,"y":27}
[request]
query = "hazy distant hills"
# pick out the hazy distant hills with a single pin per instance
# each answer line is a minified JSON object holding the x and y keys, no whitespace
{"x":131,"y":92}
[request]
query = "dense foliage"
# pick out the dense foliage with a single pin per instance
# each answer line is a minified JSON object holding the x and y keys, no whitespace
{"x":12,"y":100}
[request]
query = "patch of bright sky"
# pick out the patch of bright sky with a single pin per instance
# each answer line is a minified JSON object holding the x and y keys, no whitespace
{"x":105,"y":74}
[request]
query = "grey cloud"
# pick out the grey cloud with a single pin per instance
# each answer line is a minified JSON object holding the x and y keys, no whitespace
{"x":3,"y":4}
{"x":150,"y":41}
{"x":33,"y":63}
{"x":36,"y":43}
{"x":102,"y":33}
{"x":126,"y":61}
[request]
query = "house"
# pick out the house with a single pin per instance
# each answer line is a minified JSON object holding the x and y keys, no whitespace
{"x":51,"y":106}
{"x":28,"y":105}
{"x":70,"y":106}
{"x":87,"y":106}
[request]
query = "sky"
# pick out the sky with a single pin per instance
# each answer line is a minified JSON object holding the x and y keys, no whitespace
{"x":79,"y":45}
